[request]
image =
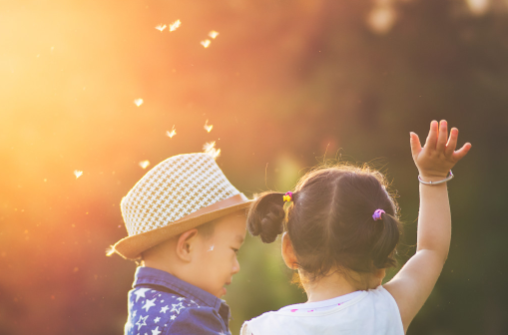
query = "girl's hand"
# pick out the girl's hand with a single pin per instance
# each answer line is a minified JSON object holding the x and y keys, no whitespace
{"x":435,"y":160}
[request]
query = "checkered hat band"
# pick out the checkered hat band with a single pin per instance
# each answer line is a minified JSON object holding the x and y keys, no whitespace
{"x":173,"y":189}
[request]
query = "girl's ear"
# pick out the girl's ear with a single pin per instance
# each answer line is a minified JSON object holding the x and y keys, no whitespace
{"x":288,"y":253}
{"x":185,"y":245}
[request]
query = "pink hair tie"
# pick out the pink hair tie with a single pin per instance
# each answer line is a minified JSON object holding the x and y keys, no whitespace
{"x":288,"y":196}
{"x":377,"y":214}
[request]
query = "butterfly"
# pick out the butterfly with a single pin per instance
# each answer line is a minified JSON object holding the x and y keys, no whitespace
{"x":209,"y":148}
{"x":161,"y":27}
{"x":173,"y":26}
{"x":171,"y":133}
{"x":208,"y":127}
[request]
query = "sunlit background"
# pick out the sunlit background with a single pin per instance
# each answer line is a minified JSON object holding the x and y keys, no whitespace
{"x":95,"y":93}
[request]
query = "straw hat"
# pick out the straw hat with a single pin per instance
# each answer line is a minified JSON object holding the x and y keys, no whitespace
{"x":178,"y":194}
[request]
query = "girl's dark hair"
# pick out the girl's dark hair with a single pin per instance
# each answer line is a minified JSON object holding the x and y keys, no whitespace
{"x":330,"y":221}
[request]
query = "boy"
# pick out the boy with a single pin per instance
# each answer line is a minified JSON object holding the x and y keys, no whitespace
{"x":185,"y":222}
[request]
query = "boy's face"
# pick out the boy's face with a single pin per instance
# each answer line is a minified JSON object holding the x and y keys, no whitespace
{"x":215,"y":257}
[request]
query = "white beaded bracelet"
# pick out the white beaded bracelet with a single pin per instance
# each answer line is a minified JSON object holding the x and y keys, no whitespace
{"x":450,"y":176}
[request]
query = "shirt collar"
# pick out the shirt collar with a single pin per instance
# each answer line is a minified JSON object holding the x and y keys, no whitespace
{"x":147,"y":275}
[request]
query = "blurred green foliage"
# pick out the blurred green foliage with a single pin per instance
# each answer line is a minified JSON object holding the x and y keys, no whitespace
{"x":287,"y":85}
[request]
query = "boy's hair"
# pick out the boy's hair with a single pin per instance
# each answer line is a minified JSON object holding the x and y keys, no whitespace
{"x":206,"y":230}
{"x":330,"y":221}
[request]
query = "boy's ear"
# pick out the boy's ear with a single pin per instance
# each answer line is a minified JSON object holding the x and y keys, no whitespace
{"x":288,"y":253}
{"x":185,"y":245}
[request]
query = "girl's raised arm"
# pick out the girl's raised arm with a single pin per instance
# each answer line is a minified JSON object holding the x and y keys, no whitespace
{"x":414,"y":282}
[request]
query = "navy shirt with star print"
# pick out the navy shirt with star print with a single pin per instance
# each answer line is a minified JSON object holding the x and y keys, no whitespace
{"x":161,"y":304}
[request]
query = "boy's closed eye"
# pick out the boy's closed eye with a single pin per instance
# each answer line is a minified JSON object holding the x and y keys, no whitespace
{"x":240,"y":240}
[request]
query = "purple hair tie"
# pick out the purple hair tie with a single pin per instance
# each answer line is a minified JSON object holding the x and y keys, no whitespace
{"x":377,"y":214}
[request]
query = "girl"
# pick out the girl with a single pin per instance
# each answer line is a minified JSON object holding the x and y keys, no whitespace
{"x":340,"y":235}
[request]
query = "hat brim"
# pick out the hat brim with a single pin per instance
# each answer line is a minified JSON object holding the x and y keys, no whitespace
{"x":131,"y":247}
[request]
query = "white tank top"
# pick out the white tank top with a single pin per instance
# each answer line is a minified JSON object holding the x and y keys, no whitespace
{"x":372,"y":312}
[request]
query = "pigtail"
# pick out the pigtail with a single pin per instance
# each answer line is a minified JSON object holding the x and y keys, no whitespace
{"x":266,"y":216}
{"x":382,"y":252}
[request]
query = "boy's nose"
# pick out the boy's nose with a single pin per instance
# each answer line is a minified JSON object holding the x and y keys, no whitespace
{"x":236,"y":266}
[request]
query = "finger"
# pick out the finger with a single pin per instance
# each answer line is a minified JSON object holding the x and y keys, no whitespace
{"x":452,"y":142}
{"x":459,"y":154}
{"x":442,"y":136}
{"x":416,"y":146}
{"x":432,"y":137}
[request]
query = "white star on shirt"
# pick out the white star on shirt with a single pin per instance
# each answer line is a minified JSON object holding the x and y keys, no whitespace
{"x":157,"y":319}
{"x":180,"y":299}
{"x":148,"y":304}
{"x":164,"y":309}
{"x":141,"y":318}
{"x":177,"y":307}
{"x":156,"y":331}
{"x":140,"y":293}
{"x":173,"y":317}
{"x":134,"y":313}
